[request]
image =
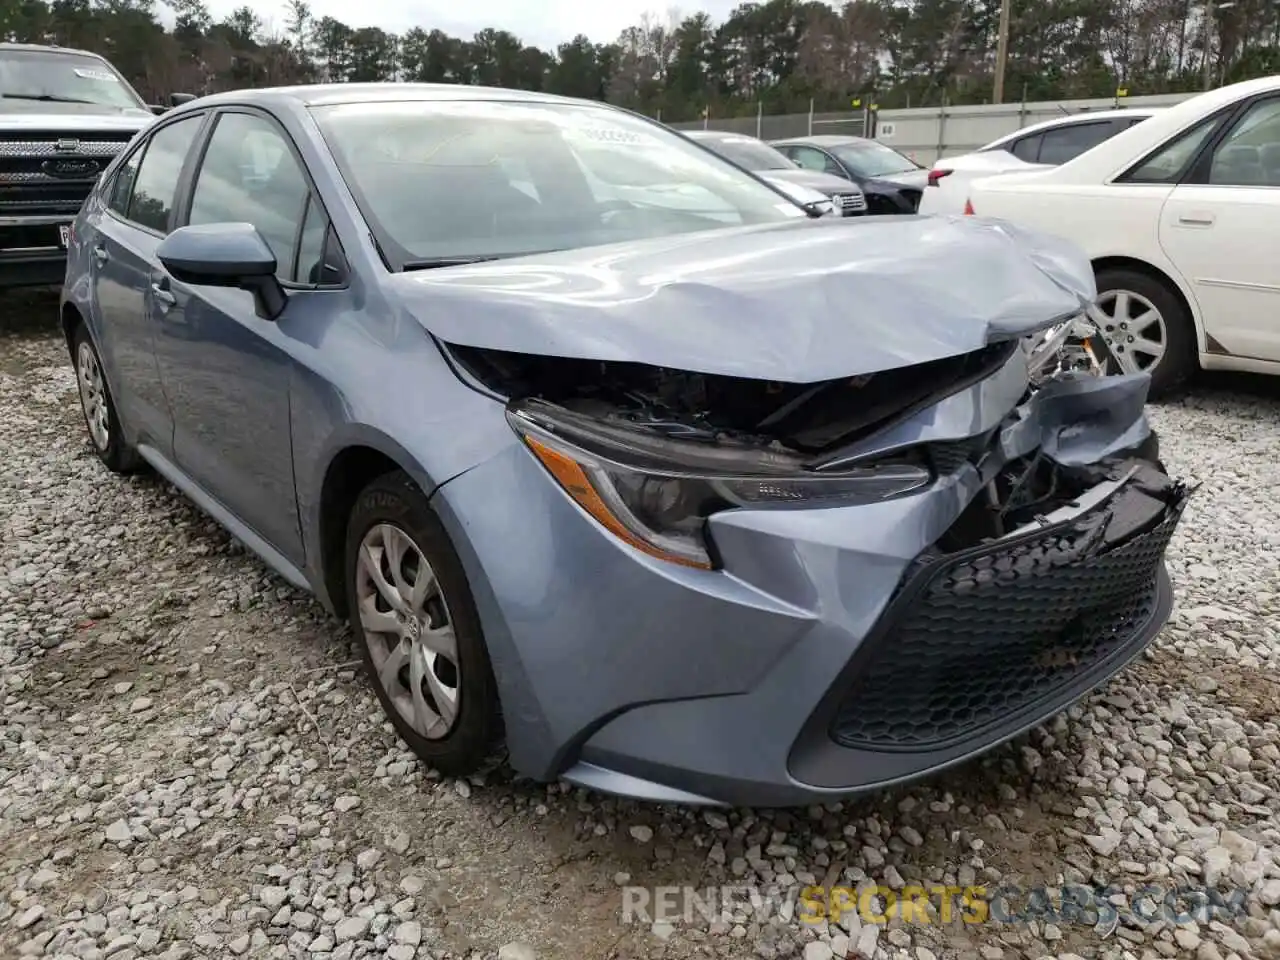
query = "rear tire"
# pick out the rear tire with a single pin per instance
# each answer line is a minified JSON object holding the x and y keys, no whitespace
{"x":101,"y":420}
{"x":410,"y":605}
{"x":1126,"y":295}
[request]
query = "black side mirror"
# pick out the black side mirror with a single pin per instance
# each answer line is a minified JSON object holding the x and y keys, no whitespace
{"x":178,"y":99}
{"x":157,"y":109}
{"x":225,"y":255}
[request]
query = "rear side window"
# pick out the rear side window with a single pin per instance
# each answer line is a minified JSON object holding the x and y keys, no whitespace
{"x":1068,"y":142}
{"x":1028,"y":148}
{"x":156,"y":183}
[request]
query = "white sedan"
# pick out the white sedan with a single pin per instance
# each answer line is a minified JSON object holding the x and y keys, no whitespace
{"x":1181,"y":218}
{"x":1036,"y":147}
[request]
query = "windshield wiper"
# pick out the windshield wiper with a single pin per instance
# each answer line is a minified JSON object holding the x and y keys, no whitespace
{"x":43,"y":97}
{"x":434,"y":262}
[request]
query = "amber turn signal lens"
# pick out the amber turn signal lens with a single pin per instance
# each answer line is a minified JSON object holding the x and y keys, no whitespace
{"x":570,"y":475}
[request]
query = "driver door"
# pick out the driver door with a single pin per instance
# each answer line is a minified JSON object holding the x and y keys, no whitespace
{"x":225,"y":370}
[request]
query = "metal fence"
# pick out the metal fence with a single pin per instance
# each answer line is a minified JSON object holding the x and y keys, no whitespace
{"x":782,"y":126}
{"x":924,"y":133}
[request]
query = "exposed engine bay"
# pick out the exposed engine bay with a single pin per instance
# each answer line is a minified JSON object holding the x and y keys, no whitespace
{"x":805,"y":419}
{"x":756,"y":427}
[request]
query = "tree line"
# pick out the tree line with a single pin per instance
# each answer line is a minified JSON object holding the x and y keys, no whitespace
{"x":783,"y":56}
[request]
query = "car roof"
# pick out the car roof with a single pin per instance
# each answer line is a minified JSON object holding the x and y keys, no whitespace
{"x":1112,"y":157}
{"x":327,"y":94}
{"x":823,"y":140}
{"x":719,"y":135}
{"x":1083,"y":116}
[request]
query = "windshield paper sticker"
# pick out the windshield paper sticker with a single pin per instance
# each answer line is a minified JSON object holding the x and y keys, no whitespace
{"x":96,"y":75}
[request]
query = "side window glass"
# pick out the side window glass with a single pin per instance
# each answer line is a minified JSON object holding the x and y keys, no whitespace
{"x":249,"y":175}
{"x":1028,"y":148}
{"x":1249,"y":155}
{"x":1167,"y":164}
{"x":320,"y":258}
{"x":830,"y":166}
{"x":122,"y":184}
{"x":156,"y":182}
{"x":334,"y":270}
{"x":809,"y":158}
{"x":1067,"y":143}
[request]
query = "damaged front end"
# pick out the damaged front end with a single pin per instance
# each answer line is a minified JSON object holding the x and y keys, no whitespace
{"x":652,"y":453}
{"x":922,"y":562}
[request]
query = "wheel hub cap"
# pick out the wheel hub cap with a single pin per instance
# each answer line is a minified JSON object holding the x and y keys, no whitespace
{"x":1133,"y":329}
{"x":93,"y":397}
{"x":407,"y":626}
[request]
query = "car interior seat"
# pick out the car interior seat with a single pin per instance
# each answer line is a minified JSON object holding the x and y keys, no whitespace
{"x":1239,"y":164}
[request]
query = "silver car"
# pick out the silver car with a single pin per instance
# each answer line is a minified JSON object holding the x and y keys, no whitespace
{"x":682,"y":493}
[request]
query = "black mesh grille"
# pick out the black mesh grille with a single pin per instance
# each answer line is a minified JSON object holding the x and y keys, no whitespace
{"x":984,"y":634}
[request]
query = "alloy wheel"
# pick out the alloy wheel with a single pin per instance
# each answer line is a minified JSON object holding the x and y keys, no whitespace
{"x":93,"y":396}
{"x":1134,"y":329}
{"x":407,"y":627}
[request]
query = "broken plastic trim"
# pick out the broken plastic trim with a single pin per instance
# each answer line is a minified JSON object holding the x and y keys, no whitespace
{"x":656,"y":494}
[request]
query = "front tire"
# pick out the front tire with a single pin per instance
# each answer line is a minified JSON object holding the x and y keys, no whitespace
{"x":99,"y":409}
{"x":414,"y":618}
{"x":1148,"y":329}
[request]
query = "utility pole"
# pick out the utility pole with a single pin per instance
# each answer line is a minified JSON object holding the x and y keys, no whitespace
{"x":1002,"y":52}
{"x":1208,"y":43}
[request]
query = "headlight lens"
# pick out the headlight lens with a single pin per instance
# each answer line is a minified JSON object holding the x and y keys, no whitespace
{"x":656,"y":494}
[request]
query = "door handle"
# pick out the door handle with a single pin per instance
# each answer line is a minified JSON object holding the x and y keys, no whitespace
{"x":100,"y":254}
{"x":1196,"y":220}
{"x":164,"y":296}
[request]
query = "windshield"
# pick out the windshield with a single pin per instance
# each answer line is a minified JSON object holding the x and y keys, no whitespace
{"x":751,"y":154}
{"x":442,"y":180}
{"x":37,"y":76}
{"x":872,"y":159}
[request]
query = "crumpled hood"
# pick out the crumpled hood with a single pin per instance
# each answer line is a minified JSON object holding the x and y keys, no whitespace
{"x":798,"y":301}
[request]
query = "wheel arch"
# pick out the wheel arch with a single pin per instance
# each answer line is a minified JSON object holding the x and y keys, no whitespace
{"x":351,"y":468}
{"x":69,"y":318}
{"x":1162,"y":277}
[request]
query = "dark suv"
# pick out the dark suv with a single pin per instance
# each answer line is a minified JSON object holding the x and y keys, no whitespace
{"x":64,"y":114}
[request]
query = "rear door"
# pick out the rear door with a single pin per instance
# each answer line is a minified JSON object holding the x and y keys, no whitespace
{"x":140,"y":202}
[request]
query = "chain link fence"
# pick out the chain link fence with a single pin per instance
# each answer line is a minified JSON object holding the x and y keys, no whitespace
{"x":786,"y":125}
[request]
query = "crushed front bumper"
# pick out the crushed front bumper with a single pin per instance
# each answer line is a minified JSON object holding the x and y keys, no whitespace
{"x":840,"y":649}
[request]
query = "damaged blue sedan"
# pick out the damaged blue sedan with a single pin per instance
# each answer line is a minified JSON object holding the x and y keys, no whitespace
{"x":609,"y":451}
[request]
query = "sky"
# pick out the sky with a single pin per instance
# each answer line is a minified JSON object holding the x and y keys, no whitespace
{"x":544,"y":23}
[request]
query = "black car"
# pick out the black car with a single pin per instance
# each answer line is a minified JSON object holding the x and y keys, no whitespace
{"x":764,"y":161}
{"x":892,"y":183}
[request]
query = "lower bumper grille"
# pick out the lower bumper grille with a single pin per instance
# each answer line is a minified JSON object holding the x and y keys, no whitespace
{"x":850,"y":204}
{"x":978,"y":637}
{"x":43,"y":199}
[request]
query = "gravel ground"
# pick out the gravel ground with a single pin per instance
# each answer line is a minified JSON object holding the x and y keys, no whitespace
{"x":190,"y":764}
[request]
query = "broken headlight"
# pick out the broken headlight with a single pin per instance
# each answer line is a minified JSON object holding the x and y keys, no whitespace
{"x":656,"y":494}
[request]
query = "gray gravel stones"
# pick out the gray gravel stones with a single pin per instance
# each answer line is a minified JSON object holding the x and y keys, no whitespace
{"x":192,"y":767}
